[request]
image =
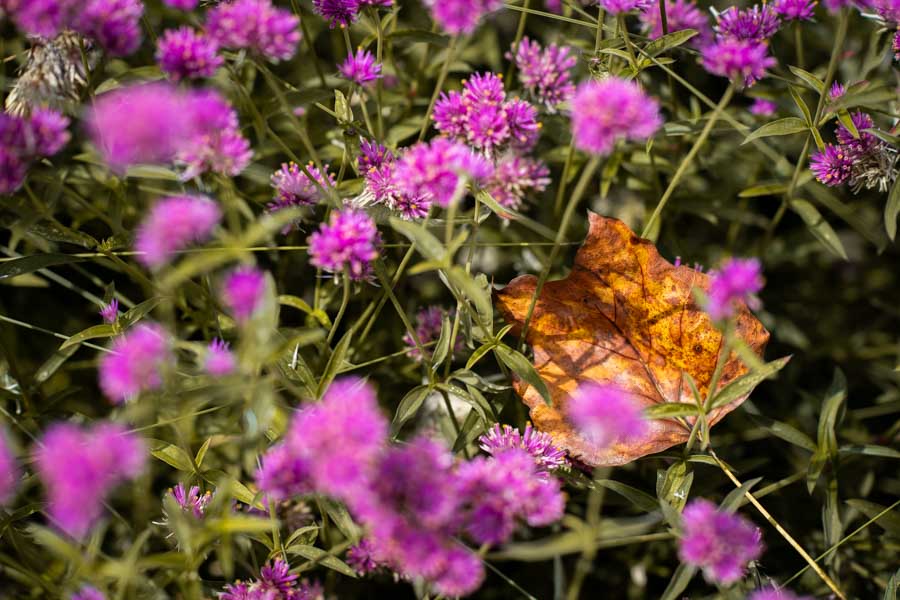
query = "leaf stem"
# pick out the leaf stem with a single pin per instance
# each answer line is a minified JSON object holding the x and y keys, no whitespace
{"x":442,"y":76}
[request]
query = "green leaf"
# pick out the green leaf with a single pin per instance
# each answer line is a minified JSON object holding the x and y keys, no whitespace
{"x":103,"y":330}
{"x":870,"y":450}
{"x":342,"y":107}
{"x":476,"y":291}
{"x":139,"y":311}
{"x":679,"y":582}
{"x":52,"y":364}
{"x":341,"y":519}
{"x":889,"y":521}
{"x":890,"y":590}
{"x":671,"y":410}
{"x":814,"y":82}
{"x":238,"y":523}
{"x":733,"y":500}
{"x":801,"y":104}
{"x":321,"y":557}
{"x":673,"y":485}
{"x":335,"y":362}
{"x":785,"y":432}
{"x":785,"y":126}
{"x":410,"y":405}
{"x":442,"y":348}
{"x":671,"y":40}
{"x":640,"y":499}
{"x":413,"y":36}
{"x":766,"y":189}
{"x":744,"y":385}
{"x":174,"y":456}
{"x":819,"y":227}
{"x":522,"y":367}
{"x":426,"y":243}
{"x":201,"y":453}
{"x":892,"y":209}
{"x":35,"y":262}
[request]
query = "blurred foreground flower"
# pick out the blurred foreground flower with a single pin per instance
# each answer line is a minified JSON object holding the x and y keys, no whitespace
{"x":720,"y":543}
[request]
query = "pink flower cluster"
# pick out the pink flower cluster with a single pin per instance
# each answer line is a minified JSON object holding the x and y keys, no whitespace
{"x":24,"y":140}
{"x":718,"y":542}
{"x":482,"y":116}
{"x":738,"y":280}
{"x":242,"y":292}
{"x":184,"y":53}
{"x":191,"y":500}
{"x":605,"y":414}
{"x":605,"y":112}
{"x":516,"y":176}
{"x":740,"y":51}
{"x":461,"y":16}
{"x":616,"y":7}
{"x":135,"y":362}
{"x":276,"y":582}
{"x":294,"y":188}
{"x":157,"y":124}
{"x":115,"y":24}
{"x":680,"y":15}
{"x":415,"y":500}
{"x":835,"y":165}
{"x":220,"y":359}
{"x":379,"y":167}
{"x":348,"y":242}
{"x":545,"y":73}
{"x":79,"y":468}
{"x":436,"y":171}
{"x":255,"y":25}
{"x":172,"y":224}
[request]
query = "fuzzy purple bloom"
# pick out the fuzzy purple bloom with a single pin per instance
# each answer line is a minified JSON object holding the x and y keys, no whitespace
{"x":837,"y":89}
{"x":135,"y":363}
{"x":191,"y":500}
{"x":831,"y":167}
{"x":361,"y":557}
{"x":605,"y":414}
{"x":25,"y":139}
{"x":360,"y":68}
{"x":185,"y":53}
{"x":110,"y":312}
{"x":538,"y":444}
{"x":514,"y":177}
{"x":616,"y":7}
{"x":372,"y":155}
{"x":294,"y":188}
{"x":754,"y":24}
{"x":9,"y":471}
{"x":718,"y":542}
{"x":12,"y":171}
{"x":857,"y":145}
{"x":275,"y":582}
{"x":888,"y":9}
{"x":172,"y":224}
{"x":79,"y":467}
{"x":680,"y":15}
{"x":773,"y":593}
{"x":461,"y":16}
{"x":338,"y":13}
{"x":219,"y":358}
{"x":743,"y":61}
{"x":216,"y":143}
{"x":604,"y":112}
{"x":348,"y":242}
{"x":88,"y":593}
{"x":382,"y":184}
{"x":763,"y":108}
{"x":895,"y":45}
{"x":739,"y":279}
{"x":49,"y":131}
{"x":435,"y":169}
{"x":181,"y":4}
{"x":545,"y":73}
{"x":242,"y":292}
{"x":277,"y":576}
{"x":255,"y":25}
{"x":795,"y":10}
{"x":283,"y":475}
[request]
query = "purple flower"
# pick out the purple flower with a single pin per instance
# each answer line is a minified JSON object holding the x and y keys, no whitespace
{"x":256,"y":25}
{"x":135,"y":362}
{"x":172,"y":224}
{"x":110,"y":312}
{"x":283,"y":475}
{"x":763,"y":108}
{"x":738,"y":280}
{"x":360,"y":68}
{"x":451,"y":114}
{"x":616,"y":7}
{"x":294,"y":188}
{"x":115,"y":24}
{"x":9,"y":471}
{"x":216,"y":143}
{"x":888,"y":9}
{"x":275,"y":582}
{"x":181,"y":4}
{"x":680,"y":15}
{"x":79,"y":467}
{"x":538,"y":444}
{"x":338,"y":13}
{"x":219,"y":358}
{"x":524,"y":128}
{"x":382,"y":184}
{"x":837,"y":89}
{"x":831,"y":167}
{"x":42,"y":17}
{"x":605,"y":414}
{"x":12,"y":171}
{"x":546,"y":74}
{"x":435,"y":169}
{"x":49,"y":130}
{"x":372,"y":155}
{"x":242,"y":292}
{"x":795,"y":10}
{"x":88,"y":593}
{"x":718,"y":542}
{"x":361,"y":557}
{"x":773,"y":593}
{"x":752,"y":24}
{"x":604,"y":112}
{"x":895,"y":45}
{"x":348,"y":242}
{"x":461,"y":16}
{"x":462,"y":573}
{"x":185,"y":53}
{"x":743,"y":61}
{"x":515,"y":176}
{"x":865,"y":142}
{"x":191,"y":500}
{"x":277,"y":576}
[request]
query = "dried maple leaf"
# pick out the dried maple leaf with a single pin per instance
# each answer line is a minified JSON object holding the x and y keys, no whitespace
{"x":627,"y":317}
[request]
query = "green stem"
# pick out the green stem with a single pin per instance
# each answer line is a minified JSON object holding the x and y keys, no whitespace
{"x":445,"y":68}
{"x":798,"y":43}
{"x":663,"y":17}
{"x":564,"y":180}
{"x":345,"y":300}
{"x":307,"y":37}
{"x":520,"y":32}
{"x":623,"y":28}
{"x":683,"y":167}
{"x":379,"y":58}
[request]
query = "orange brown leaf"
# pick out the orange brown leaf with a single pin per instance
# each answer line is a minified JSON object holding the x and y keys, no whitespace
{"x":627,"y":317}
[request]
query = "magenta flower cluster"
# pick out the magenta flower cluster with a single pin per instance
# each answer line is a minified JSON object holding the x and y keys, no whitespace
{"x":436,"y":171}
{"x":720,"y":543}
{"x":80,"y":467}
{"x":617,"y":7}
{"x":114,"y":24}
{"x":276,"y":582}
{"x":680,"y":15}
{"x":26,"y":139}
{"x":172,"y":224}
{"x":159,"y":124}
{"x":538,"y":444}
{"x":88,"y":593}
{"x":360,"y":68}
{"x":191,"y":500}
{"x":773,"y":593}
{"x":738,"y":280}
{"x":348,"y":242}
{"x":755,"y":23}
{"x":184,"y":53}
{"x":515,"y":177}
{"x":255,"y":25}
{"x":605,"y":112}
{"x":415,"y":500}
{"x":379,"y":167}
{"x":795,"y":10}
{"x":740,"y":51}
{"x":110,"y":312}
{"x":242,"y":292}
{"x":482,"y":116}
{"x":545,"y":72}
{"x":605,"y":414}
{"x":763,"y":108}
{"x":219,"y":359}
{"x":293,"y":187}
{"x":181,"y":4}
{"x":135,"y":362}
{"x":835,"y":164}
{"x":9,"y":470}
{"x":338,"y":13}
{"x":461,"y":16}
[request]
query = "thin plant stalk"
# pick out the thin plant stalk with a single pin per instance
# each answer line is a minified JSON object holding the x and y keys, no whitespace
{"x":442,"y":76}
